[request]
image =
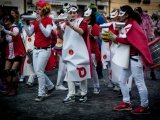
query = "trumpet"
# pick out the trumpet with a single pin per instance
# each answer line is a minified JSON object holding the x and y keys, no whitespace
{"x":29,"y":17}
{"x":117,"y":24}
{"x":120,"y":24}
{"x":105,"y":25}
{"x":60,"y":18}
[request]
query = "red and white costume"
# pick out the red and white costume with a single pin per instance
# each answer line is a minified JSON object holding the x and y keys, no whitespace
{"x":76,"y":57}
{"x":75,"y":53}
{"x":15,"y":46}
{"x":41,"y":52}
{"x":133,"y":36}
{"x":29,"y":46}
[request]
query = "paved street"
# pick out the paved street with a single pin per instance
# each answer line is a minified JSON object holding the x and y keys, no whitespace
{"x":98,"y":107}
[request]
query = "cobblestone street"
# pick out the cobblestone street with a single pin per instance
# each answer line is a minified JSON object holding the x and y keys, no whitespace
{"x":98,"y":107}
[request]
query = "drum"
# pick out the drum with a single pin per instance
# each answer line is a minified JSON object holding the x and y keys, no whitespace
{"x":155,"y":52}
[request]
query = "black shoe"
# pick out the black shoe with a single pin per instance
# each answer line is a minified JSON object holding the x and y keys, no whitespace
{"x":69,"y":99}
{"x":120,"y":94}
{"x":50,"y":91}
{"x":39,"y":98}
{"x":83,"y":98}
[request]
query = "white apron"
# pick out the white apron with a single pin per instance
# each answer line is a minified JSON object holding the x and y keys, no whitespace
{"x":115,"y":69}
{"x":105,"y":54}
{"x":122,"y":53}
{"x":105,"y":48}
{"x":75,"y":54}
{"x":29,"y":45}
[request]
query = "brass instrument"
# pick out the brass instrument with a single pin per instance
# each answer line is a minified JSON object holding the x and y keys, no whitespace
{"x":59,"y":18}
{"x":29,"y":17}
{"x":117,"y":24}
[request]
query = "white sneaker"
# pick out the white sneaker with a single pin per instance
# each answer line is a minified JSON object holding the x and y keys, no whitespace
{"x":110,"y":85}
{"x":96,"y":91}
{"x":41,"y":98}
{"x":61,"y":87}
{"x":29,"y":84}
{"x":21,"y":80}
{"x":116,"y":88}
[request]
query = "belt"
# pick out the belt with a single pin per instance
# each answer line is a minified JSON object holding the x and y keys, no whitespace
{"x":42,"y":47}
{"x":134,"y":59}
{"x":136,"y":54}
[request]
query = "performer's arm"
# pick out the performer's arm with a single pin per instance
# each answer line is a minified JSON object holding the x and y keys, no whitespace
{"x":46,"y":31}
{"x":122,"y":40}
{"x":77,"y":29}
{"x":30,"y":31}
{"x":12,"y":33}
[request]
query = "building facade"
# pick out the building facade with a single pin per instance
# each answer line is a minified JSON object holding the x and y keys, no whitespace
{"x":150,"y":7}
{"x":103,"y":5}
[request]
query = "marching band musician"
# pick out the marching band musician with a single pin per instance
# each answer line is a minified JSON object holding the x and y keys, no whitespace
{"x":42,"y":28}
{"x":115,"y":69}
{"x":137,"y":53}
{"x":75,"y":54}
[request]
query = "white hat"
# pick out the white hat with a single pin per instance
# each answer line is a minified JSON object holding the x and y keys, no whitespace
{"x":88,"y":12}
{"x":114,"y":13}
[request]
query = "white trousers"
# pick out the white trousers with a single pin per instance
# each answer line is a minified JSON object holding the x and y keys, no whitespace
{"x":61,"y":71}
{"x":136,"y":69}
{"x":94,"y":77}
{"x":31,"y":78}
{"x":40,"y":59}
{"x":71,"y":88}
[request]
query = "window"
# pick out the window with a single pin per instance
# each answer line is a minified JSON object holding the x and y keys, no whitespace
{"x":139,"y":1}
{"x":135,"y":1}
{"x":146,"y":1}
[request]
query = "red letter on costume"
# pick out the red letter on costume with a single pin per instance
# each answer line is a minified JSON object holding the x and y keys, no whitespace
{"x":82,"y":72}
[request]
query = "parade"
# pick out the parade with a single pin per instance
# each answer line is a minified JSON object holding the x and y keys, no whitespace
{"x":80,"y":55}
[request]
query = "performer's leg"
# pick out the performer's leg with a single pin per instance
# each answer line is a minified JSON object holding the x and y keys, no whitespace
{"x":124,"y":75}
{"x":95,"y":79}
{"x":71,"y":92}
{"x":138,"y":75}
{"x":61,"y":75}
{"x":83,"y":87}
{"x":71,"y":88}
{"x":40,"y":59}
{"x":7,"y":77}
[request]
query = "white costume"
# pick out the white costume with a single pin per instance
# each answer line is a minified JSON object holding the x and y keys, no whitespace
{"x":75,"y":55}
{"x":29,"y":46}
